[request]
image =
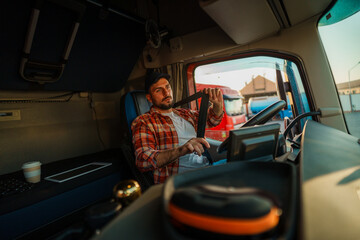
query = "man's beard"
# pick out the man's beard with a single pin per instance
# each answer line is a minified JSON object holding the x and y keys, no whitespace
{"x":164,"y":106}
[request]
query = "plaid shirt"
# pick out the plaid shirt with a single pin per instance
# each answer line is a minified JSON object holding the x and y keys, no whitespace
{"x":154,"y":132}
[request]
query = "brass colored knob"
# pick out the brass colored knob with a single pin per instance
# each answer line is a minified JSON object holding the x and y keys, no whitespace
{"x":127,"y":191}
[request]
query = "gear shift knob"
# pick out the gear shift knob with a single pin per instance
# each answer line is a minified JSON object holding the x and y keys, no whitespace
{"x":126,"y":192}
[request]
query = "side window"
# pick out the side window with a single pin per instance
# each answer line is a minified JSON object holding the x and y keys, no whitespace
{"x":339,"y":32}
{"x":249,"y":86}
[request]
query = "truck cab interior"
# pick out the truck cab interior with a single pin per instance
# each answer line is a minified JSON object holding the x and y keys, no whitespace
{"x":72,"y":81}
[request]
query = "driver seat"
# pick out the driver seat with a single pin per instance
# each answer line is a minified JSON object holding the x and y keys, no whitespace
{"x":133,"y":104}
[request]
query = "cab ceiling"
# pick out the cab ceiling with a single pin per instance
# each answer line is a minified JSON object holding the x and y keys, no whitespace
{"x":242,"y":20}
{"x":248,"y":20}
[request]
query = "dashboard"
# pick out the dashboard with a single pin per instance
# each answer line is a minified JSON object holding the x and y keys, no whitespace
{"x":321,"y":192}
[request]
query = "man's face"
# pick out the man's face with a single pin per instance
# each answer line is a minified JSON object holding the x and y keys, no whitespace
{"x":161,"y":95}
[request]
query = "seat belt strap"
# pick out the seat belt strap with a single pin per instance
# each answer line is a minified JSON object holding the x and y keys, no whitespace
{"x":202,"y":113}
{"x":202,"y":116}
{"x":188,"y":99}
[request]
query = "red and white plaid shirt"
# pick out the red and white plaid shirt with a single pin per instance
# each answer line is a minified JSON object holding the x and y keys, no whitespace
{"x":154,"y":132}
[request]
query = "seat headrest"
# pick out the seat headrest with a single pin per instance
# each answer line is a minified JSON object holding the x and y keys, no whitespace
{"x":141,"y":103}
{"x":135,"y":105}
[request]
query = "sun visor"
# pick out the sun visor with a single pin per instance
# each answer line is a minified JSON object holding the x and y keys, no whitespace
{"x":67,"y":46}
{"x":231,"y":15}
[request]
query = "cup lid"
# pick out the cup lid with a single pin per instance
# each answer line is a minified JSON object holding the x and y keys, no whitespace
{"x":31,"y":164}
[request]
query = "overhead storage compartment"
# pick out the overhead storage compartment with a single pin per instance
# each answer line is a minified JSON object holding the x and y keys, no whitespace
{"x":227,"y":13}
{"x":262,"y":18}
{"x":39,"y":54}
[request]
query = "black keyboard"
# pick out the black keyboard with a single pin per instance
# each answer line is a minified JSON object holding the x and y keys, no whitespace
{"x":13,"y":186}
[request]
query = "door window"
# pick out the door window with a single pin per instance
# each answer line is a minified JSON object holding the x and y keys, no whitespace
{"x":339,"y":30}
{"x":249,"y":85}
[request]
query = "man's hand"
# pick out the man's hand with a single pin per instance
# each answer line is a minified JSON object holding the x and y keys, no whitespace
{"x":216,"y":98}
{"x":194,"y":145}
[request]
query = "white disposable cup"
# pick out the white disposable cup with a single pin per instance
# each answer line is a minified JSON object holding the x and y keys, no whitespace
{"x":32,"y":171}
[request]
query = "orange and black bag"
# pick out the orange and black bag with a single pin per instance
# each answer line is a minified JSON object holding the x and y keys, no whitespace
{"x":217,"y":212}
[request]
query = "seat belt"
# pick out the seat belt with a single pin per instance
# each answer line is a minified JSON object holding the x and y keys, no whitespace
{"x":202,"y":116}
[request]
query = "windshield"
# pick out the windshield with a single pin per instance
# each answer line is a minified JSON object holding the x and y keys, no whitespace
{"x":233,"y":107}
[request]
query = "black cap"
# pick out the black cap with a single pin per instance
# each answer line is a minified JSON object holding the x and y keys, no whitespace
{"x":153,"y":77}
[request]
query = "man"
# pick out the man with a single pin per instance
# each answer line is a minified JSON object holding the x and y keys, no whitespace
{"x":165,"y":138}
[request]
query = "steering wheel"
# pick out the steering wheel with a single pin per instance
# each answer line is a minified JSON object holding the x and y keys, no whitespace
{"x":260,"y":118}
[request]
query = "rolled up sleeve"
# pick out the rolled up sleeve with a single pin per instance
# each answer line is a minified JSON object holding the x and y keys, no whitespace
{"x":145,"y":145}
{"x":212,"y":119}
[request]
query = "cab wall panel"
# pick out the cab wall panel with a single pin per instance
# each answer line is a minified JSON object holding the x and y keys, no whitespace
{"x":54,"y":131}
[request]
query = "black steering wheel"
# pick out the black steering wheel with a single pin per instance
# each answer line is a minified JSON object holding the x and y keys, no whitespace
{"x":260,"y":118}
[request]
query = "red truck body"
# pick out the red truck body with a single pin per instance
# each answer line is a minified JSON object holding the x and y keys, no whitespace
{"x":234,"y":114}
